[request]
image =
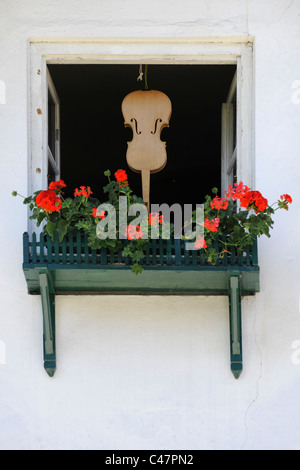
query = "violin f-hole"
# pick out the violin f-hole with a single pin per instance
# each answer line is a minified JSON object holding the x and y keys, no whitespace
{"x":136,"y":126}
{"x":155,"y":129}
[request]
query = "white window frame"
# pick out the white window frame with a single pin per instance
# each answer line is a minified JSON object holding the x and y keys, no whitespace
{"x":206,"y":51}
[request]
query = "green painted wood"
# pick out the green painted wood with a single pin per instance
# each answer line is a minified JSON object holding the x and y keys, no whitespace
{"x":254,"y":253}
{"x":235,"y":315}
{"x":147,"y":255}
{"x":162,"y":247}
{"x":169,"y":252}
{"x":153,"y":257}
{"x":56,"y":248}
{"x":71,"y":248}
{"x":26,"y":254}
{"x":64,"y":251}
{"x":248,"y":256}
{"x":48,"y":306}
{"x":42,"y":238}
{"x":66,"y":260}
{"x":103,"y":256}
{"x":34,"y":249}
{"x":186,"y":257}
{"x":78,"y":248}
{"x":94,"y":257}
{"x":165,"y":279}
{"x":177,"y":246}
{"x":75,"y":251}
{"x":49,"y":250}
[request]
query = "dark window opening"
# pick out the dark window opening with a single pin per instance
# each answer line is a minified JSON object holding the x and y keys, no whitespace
{"x":94,"y":139}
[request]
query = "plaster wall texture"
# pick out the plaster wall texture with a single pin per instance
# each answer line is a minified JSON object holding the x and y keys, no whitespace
{"x":153,"y":372}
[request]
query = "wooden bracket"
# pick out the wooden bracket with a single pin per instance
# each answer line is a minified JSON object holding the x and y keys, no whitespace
{"x":48,"y":304}
{"x":235,"y":316}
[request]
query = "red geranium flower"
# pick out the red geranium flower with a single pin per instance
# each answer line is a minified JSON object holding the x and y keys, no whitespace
{"x":96,"y":214}
{"x":57,"y":186}
{"x":285,"y":200}
{"x":237,"y":191}
{"x":48,"y":201}
{"x":121,"y":176}
{"x":84,"y":191}
{"x":154,"y":217}
{"x":212,"y":225}
{"x":254,"y":200}
{"x":200,"y":243}
{"x":219,"y":203}
{"x":134,"y":232}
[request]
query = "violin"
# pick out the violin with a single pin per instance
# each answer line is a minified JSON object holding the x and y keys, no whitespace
{"x":147,"y":113}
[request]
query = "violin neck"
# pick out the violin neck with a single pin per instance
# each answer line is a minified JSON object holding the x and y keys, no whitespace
{"x":146,"y":187}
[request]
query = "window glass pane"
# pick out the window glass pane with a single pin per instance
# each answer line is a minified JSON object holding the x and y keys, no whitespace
{"x":234,"y":173}
{"x":51,"y":124}
{"x":51,"y":174}
{"x":234,"y":120}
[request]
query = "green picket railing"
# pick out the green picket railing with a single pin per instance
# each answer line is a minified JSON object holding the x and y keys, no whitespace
{"x":74,"y":251}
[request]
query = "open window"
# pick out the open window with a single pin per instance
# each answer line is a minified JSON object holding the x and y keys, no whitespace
{"x":209,"y":142}
{"x":94,"y":138}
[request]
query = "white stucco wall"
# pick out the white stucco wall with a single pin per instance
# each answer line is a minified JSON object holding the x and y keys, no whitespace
{"x":153,"y":372}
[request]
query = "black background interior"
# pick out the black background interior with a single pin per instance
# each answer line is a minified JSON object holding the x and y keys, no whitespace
{"x":94,"y":139}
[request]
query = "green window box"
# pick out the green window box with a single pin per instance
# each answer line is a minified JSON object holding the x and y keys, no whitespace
{"x":52,"y":268}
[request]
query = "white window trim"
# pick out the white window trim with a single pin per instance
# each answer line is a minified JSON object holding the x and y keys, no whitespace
{"x":206,"y":51}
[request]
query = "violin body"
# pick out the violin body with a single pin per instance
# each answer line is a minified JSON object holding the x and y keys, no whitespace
{"x":146,"y":113}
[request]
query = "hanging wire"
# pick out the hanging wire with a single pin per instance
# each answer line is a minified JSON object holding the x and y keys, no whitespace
{"x":143,"y":74}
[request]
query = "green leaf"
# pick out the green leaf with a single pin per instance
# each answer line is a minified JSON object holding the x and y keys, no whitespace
{"x":242,"y":215}
{"x":50,"y":229}
{"x":95,"y":243}
{"x":62,"y":229}
{"x":137,"y":255}
{"x":66,"y":204}
{"x":137,"y":269}
{"x":111,"y":242}
{"x":126,"y":251}
{"x":27,"y":200}
{"x":40,"y":217}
